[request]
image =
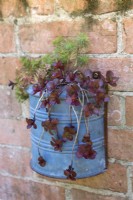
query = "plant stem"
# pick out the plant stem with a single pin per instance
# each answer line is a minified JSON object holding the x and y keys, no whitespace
{"x":78,"y":122}
{"x":41,"y":137}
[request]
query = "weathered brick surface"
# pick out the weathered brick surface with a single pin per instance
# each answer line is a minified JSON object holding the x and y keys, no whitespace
{"x":121,"y":67}
{"x":120,"y":144}
{"x":14,"y":132}
{"x":8,"y":68}
{"x":129,"y":111}
{"x":15,"y":161}
{"x":37,"y":38}
{"x":113,"y":179}
{"x":106,"y":6}
{"x":76,"y":5}
{"x":7,"y":40}
{"x":13,"y":189}
{"x":127,"y":35}
{"x":9,"y":106}
{"x":79,"y":194}
{"x":15,"y":8}
{"x":103,"y":37}
{"x":114,"y":111}
{"x":42,"y":7}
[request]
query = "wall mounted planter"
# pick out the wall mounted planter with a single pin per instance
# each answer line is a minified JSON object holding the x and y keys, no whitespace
{"x":58,"y":161}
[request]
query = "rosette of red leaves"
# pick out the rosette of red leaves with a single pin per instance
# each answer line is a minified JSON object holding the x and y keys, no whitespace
{"x":31,"y":123}
{"x":68,"y":133}
{"x":90,"y":109}
{"x":86,"y":151}
{"x":50,"y":125}
{"x":57,"y":144}
{"x":70,"y":173}
{"x":111,"y":79}
{"x":86,"y":139}
{"x":41,"y":161}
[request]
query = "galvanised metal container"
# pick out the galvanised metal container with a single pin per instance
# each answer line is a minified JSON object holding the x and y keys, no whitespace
{"x":57,"y":161}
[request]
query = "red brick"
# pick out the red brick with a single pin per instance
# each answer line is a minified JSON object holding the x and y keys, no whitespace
{"x":120,"y":144}
{"x":103,"y":37}
{"x":13,"y":189}
{"x":105,"y":6}
{"x":129,"y":111}
{"x":122,"y":68}
{"x":114,"y":111}
{"x":79,"y":194}
{"x":113,"y":179}
{"x":14,"y":132}
{"x":77,"y":5}
{"x":127,"y":35}
{"x":42,"y":7}
{"x":8,"y":68}
{"x":7,"y":40}
{"x":37,"y":38}
{"x":9,"y":106}
{"x":12,"y":8}
{"x":15,"y":161}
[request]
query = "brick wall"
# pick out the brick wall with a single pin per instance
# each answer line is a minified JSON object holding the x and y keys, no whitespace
{"x":27,"y":27}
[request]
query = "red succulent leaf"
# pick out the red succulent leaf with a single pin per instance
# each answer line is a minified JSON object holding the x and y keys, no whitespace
{"x":50,"y":125}
{"x":58,"y":65}
{"x":89,"y":109}
{"x":86,"y":139}
{"x":54,"y":98}
{"x":41,"y":161}
{"x":57,"y":144}
{"x":72,"y":89}
{"x":101,"y":97}
{"x":70,"y":77}
{"x":111,"y":79}
{"x":70,"y":173}
{"x":37,"y":88}
{"x":31,"y":123}
{"x":57,"y":74}
{"x":51,"y":85}
{"x":80,"y":77}
{"x":68,"y":133}
{"x":73,"y":100}
{"x":86,"y":151}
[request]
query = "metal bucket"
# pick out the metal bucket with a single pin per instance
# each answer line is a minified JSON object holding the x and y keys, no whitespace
{"x":57,"y":161}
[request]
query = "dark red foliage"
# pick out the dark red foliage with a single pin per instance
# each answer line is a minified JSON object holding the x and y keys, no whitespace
{"x":54,"y":98}
{"x":68,"y":133}
{"x":70,"y":173}
{"x":101,"y":97}
{"x":50,"y":125}
{"x":90,"y":109}
{"x":51,"y":85}
{"x":11,"y":84}
{"x":57,"y":74}
{"x":58,"y":65}
{"x":37,"y":88}
{"x":73,"y":100}
{"x":70,"y":77}
{"x":111,"y":79}
{"x":31,"y":123}
{"x":57,"y":144}
{"x":86,"y":151}
{"x":41,"y":161}
{"x":86,"y":139}
{"x":72,"y":90}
